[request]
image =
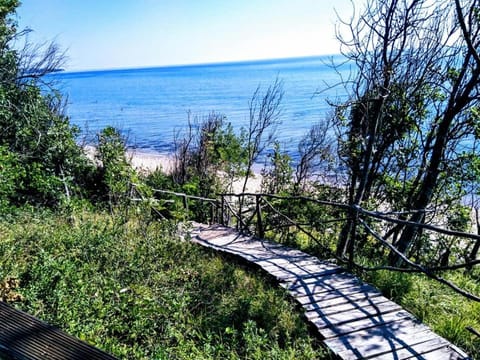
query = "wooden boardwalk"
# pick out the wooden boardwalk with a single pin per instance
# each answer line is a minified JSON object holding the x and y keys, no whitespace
{"x":354,"y":320}
{"x":23,"y":337}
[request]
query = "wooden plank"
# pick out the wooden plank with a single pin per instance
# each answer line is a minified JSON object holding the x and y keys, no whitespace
{"x":24,"y":337}
{"x":389,"y":348}
{"x":339,"y":296}
{"x":421,"y":350}
{"x":285,"y":255}
{"x":332,"y":319}
{"x":326,"y":280}
{"x":311,"y":260}
{"x":449,"y":352}
{"x":334,"y":278}
{"x":292,"y":273}
{"x":332,"y":308}
{"x":289,"y":277}
{"x":388,"y":338}
{"x":397,"y":317}
{"x":305,"y":265}
{"x":302,"y":287}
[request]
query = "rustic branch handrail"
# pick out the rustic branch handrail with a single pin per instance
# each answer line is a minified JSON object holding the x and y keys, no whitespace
{"x":378,"y":215}
{"x":420,"y":267}
{"x":194,"y":197}
{"x":302,"y":229}
{"x":224,"y":204}
{"x":229,"y":207}
{"x":282,"y":197}
{"x":413,"y":270}
{"x":374,"y":214}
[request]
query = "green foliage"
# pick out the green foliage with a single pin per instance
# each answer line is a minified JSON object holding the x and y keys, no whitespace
{"x":117,"y":174}
{"x":458,"y":217}
{"x":446,"y":312}
{"x":209,"y":148}
{"x":11,"y":175}
{"x":34,"y":130}
{"x":134,"y":289}
{"x":393,"y":285}
{"x":277,"y":175}
{"x":44,"y":142}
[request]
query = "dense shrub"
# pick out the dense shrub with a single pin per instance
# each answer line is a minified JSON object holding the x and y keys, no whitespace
{"x":35,"y":135}
{"x":135,"y":290}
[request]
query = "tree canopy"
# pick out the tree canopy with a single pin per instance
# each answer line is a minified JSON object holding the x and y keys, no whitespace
{"x":409,"y":131}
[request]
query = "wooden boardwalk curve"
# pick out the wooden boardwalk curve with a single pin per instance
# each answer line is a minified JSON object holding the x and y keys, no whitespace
{"x":354,"y":320}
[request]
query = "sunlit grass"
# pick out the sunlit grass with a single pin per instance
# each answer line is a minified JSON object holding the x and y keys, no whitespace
{"x":137,"y":291}
{"x":447,"y":313}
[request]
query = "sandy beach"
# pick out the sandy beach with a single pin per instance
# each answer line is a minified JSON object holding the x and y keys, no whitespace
{"x":147,"y":162}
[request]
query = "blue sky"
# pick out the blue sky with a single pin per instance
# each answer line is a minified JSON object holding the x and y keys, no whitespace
{"x":101,"y":34}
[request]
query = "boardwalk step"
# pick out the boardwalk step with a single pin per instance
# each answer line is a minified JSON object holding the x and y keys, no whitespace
{"x":339,"y":296}
{"x":368,"y":323}
{"x":334,"y":306}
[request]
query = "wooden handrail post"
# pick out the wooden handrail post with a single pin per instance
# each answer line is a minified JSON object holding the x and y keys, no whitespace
{"x":185,"y":204}
{"x":240,"y":220}
{"x":260,"y":229}
{"x":212,"y":213}
{"x":351,"y":243}
{"x":222,"y":209}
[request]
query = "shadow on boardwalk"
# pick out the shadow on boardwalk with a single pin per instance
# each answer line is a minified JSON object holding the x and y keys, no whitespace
{"x":353,"y":319}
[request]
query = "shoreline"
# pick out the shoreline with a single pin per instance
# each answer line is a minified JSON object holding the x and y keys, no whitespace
{"x":148,"y":162}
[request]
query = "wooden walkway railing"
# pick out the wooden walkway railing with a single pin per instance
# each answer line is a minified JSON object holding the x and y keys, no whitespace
{"x":354,"y":320}
{"x":246,"y":212}
{"x":383,"y":322}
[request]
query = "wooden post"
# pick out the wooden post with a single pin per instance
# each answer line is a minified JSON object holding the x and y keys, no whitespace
{"x":212,"y":213}
{"x":185,"y":204}
{"x":222,"y":209}
{"x":239,"y":222}
{"x":260,"y":230}
{"x":351,"y":243}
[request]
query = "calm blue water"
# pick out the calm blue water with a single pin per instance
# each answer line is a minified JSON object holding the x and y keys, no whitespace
{"x":148,"y":105}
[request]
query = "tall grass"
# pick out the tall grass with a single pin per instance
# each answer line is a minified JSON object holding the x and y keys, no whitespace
{"x":134,"y":289}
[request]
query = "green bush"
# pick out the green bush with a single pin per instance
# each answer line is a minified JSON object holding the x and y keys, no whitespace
{"x":34,"y":130}
{"x":116,"y":173}
{"x":11,"y":175}
{"x":135,"y":290}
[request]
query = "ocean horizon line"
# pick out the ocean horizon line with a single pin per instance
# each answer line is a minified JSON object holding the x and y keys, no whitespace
{"x":150,"y":104}
{"x":200,"y":64}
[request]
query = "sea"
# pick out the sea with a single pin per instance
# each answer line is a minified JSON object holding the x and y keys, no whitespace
{"x":150,"y":105}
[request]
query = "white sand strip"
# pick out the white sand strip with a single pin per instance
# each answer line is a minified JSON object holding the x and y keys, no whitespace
{"x":147,"y":162}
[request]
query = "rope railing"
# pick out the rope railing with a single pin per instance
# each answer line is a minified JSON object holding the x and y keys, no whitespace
{"x":251,"y":218}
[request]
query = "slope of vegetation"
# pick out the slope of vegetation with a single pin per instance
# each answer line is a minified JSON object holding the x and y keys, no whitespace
{"x":136,"y":290}
{"x":407,"y":141}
